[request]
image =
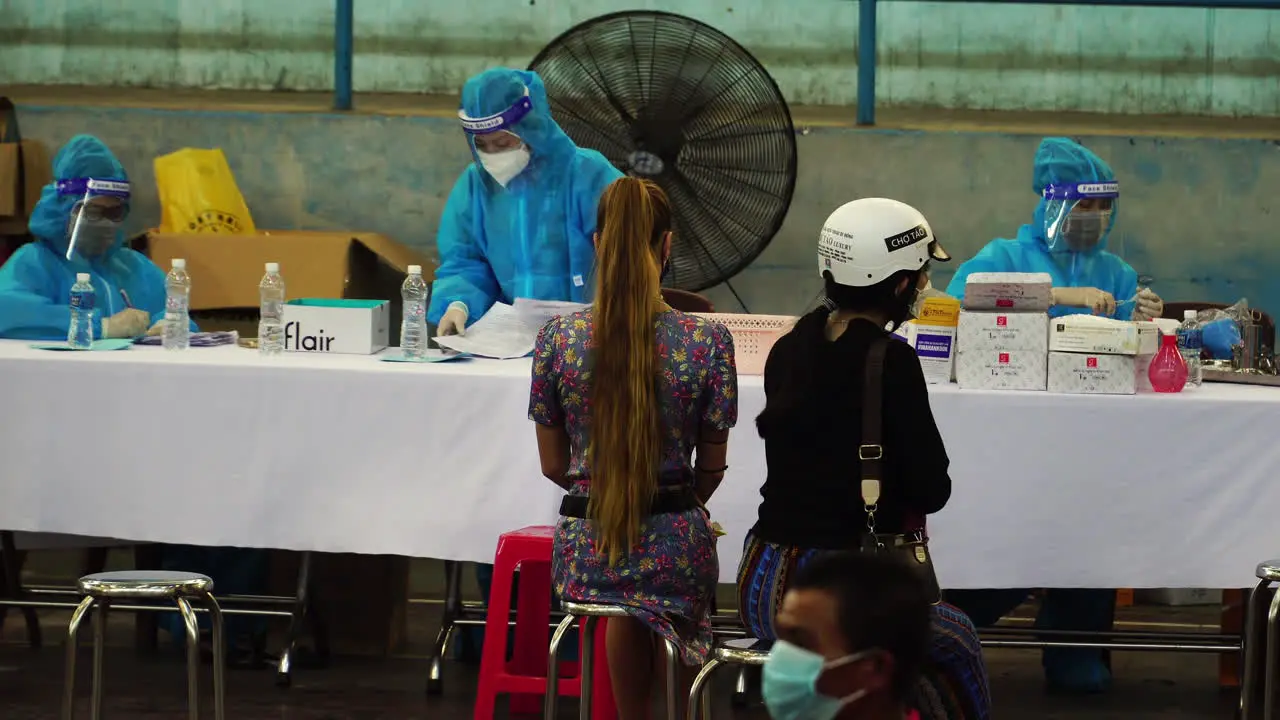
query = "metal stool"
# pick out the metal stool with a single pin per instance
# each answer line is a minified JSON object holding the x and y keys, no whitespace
{"x":745,"y":651}
{"x":1261,"y":645}
{"x":102,"y":588}
{"x":589,"y":613}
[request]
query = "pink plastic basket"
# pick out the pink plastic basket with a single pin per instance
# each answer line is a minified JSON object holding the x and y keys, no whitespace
{"x":753,"y":337}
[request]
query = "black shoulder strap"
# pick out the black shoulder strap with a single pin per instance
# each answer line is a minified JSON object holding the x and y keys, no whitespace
{"x":871,"y":451}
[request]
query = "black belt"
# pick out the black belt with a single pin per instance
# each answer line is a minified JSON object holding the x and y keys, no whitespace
{"x":665,"y":502}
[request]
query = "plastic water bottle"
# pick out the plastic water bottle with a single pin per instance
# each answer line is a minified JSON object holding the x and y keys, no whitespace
{"x":80,"y":331}
{"x":1190,"y":344}
{"x":271,"y":321}
{"x":413,"y":327}
{"x":177,"y":307}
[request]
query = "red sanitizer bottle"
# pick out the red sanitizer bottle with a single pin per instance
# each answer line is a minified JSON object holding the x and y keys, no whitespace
{"x":1168,"y":370}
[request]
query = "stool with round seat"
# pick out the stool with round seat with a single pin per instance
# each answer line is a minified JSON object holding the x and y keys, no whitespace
{"x":589,"y":614}
{"x":742,"y":652}
{"x":182,"y":589}
{"x":1261,"y":645}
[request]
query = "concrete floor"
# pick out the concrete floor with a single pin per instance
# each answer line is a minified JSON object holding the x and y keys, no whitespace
{"x":1148,"y":685}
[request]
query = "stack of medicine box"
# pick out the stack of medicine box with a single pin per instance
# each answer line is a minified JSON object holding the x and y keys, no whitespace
{"x":933,"y":335}
{"x":1093,"y":355}
{"x":1003,"y":334}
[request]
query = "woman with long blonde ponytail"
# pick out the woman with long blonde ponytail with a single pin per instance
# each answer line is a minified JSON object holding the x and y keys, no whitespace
{"x":633,"y":403}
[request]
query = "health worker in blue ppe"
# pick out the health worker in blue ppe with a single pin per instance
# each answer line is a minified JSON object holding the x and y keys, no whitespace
{"x":77,"y":224}
{"x":1067,"y":238}
{"x":519,"y":220}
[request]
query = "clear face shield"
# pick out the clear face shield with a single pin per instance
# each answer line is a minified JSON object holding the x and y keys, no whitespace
{"x":97,"y":216}
{"x":1078,"y":216}
{"x":496,"y":146}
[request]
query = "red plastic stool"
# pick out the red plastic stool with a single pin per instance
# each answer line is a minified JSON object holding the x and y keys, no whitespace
{"x":524,"y":677}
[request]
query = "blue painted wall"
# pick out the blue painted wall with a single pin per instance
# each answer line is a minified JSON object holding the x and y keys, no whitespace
{"x":1197,"y":215}
{"x":949,"y":55}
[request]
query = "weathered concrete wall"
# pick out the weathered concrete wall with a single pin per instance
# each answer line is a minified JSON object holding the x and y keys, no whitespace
{"x":931,"y":54}
{"x":1199,"y":216}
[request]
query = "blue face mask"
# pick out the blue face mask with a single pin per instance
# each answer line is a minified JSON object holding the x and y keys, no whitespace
{"x":791,"y":684}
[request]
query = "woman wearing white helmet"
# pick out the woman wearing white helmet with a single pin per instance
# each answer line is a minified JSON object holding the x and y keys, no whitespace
{"x":873,"y":256}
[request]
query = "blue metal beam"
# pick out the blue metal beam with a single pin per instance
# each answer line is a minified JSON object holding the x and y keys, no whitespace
{"x":343,"y":49}
{"x":867,"y":62}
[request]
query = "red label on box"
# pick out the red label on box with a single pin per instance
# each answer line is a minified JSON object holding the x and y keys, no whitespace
{"x":1091,"y":362}
{"x":1004,"y":358}
{"x":1004,"y":303}
{"x":1002,"y":321}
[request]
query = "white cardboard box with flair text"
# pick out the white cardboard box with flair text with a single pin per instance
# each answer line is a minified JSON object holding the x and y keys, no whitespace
{"x":351,"y":327}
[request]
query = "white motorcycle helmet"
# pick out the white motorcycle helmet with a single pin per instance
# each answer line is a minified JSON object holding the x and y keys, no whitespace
{"x":866,"y":241}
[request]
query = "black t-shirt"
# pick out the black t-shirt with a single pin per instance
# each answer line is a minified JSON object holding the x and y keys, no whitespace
{"x":812,"y":427}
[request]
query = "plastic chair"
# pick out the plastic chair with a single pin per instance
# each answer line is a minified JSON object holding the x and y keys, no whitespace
{"x":525,"y":676}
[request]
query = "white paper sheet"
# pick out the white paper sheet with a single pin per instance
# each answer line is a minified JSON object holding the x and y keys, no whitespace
{"x":536,"y":313}
{"x":500,"y":334}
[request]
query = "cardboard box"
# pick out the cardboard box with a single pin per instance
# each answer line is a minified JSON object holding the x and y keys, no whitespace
{"x":1092,"y":374}
{"x":226,"y":270}
{"x":996,"y":331}
{"x":25,"y":168}
{"x":995,"y":370}
{"x":1148,"y":346}
{"x":1012,"y":292}
{"x":1092,"y":334}
{"x":350,"y":327}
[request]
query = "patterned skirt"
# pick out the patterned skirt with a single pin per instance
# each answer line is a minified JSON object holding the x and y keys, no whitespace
{"x":953,"y":685}
{"x":668,"y":581}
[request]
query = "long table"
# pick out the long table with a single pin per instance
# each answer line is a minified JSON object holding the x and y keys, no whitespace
{"x":219,"y":446}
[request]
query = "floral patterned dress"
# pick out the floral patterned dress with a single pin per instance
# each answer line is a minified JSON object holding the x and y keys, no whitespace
{"x":669,"y":579}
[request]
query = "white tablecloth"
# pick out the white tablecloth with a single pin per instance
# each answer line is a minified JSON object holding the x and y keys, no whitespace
{"x":341,"y":453}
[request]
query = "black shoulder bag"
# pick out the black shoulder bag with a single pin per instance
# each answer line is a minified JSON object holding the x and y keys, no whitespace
{"x":911,"y":547}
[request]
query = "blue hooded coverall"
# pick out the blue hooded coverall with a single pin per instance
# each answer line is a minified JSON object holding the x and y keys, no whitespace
{"x":35,"y":284}
{"x":1058,"y":160}
{"x":531,"y":239}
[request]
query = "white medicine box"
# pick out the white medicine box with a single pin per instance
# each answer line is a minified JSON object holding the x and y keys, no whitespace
{"x":1001,"y":331}
{"x":1008,"y":292}
{"x":352,"y":327}
{"x":1091,"y":334}
{"x":1093,"y":373}
{"x":1001,"y":370}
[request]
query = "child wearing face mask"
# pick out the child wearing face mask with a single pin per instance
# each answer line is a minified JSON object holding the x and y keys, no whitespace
{"x":853,"y":633}
{"x":78,"y":226}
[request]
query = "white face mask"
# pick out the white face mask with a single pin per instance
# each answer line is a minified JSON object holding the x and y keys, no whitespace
{"x":923,"y":294}
{"x":504,"y":166}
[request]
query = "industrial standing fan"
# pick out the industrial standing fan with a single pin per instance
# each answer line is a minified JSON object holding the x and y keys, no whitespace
{"x":674,"y":100}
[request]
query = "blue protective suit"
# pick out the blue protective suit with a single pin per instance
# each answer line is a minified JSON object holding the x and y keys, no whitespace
{"x":533,"y":238}
{"x":1058,"y":160}
{"x":35,"y":284}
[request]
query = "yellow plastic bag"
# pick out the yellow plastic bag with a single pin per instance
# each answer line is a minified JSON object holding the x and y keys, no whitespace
{"x":198,"y":194}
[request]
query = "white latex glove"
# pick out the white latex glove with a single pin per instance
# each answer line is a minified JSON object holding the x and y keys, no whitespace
{"x":454,"y":321}
{"x":126,"y":324}
{"x":1099,"y":302}
{"x":1149,"y":305}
